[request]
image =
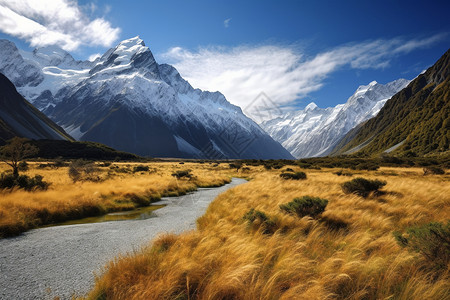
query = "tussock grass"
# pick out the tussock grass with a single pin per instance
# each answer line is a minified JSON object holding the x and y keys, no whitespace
{"x":114,"y":191}
{"x":349,"y":253}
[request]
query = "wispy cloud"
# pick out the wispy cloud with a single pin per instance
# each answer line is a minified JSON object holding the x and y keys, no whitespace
{"x":55,"y":22}
{"x":226,"y":23}
{"x":284,"y":73}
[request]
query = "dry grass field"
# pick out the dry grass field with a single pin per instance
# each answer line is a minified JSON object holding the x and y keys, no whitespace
{"x":116,"y":188}
{"x":348,"y":252}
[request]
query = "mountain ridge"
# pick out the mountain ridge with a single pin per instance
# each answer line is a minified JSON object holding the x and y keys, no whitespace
{"x":415,"y":121}
{"x":314,"y":131}
{"x":160,"y":114}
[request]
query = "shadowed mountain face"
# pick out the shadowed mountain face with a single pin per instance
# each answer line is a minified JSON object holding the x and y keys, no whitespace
{"x":128,"y":101}
{"x":19,"y":118}
{"x":415,"y":121}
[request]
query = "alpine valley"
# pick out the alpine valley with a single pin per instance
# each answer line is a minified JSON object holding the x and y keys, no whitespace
{"x":128,"y":101}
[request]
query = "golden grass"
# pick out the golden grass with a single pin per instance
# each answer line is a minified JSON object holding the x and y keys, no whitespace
{"x":64,"y":200}
{"x":305,"y":258}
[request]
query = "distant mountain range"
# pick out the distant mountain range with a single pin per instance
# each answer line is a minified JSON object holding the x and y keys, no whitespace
{"x":128,"y":101}
{"x":414,"y":122}
{"x":19,"y":118}
{"x":315,"y":131}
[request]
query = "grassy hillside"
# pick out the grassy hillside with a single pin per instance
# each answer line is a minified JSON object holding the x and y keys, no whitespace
{"x":247,"y":247}
{"x":418,"y":117}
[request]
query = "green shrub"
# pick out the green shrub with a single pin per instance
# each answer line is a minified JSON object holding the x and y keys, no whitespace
{"x":182,"y":174}
{"x":140,"y":168}
{"x":305,"y":206}
{"x":362,"y":186}
{"x":8,"y":181}
{"x":432,"y":240}
{"x":295,"y":176}
{"x":83,"y":170}
{"x":343,"y":173}
{"x":267,"y":167}
{"x":367,"y":166}
{"x":433,"y":171}
{"x":59,"y":162}
{"x":259,"y":220}
{"x":236,"y":166}
{"x":23,"y":166}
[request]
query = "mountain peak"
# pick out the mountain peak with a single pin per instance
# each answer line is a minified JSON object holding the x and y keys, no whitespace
{"x":310,"y":106}
{"x":53,"y":55}
{"x":134,"y":41}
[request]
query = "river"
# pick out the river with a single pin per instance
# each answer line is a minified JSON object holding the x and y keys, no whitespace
{"x":61,"y":260}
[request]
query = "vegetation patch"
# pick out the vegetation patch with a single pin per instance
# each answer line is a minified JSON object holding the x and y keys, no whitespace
{"x":433,"y":171}
{"x":182,"y":174}
{"x":294,"y":176}
{"x":9,"y":181}
{"x":432,"y":240}
{"x":82,"y":170}
{"x":343,"y":173}
{"x":140,"y":168}
{"x":305,"y":206}
{"x":361,"y":186}
{"x":259,"y":220}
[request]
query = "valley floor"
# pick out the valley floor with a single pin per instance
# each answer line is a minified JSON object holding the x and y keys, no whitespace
{"x":349,"y":252}
{"x":107,"y":188}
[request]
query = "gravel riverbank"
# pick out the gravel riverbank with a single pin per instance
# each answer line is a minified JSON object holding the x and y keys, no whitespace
{"x":61,"y":260}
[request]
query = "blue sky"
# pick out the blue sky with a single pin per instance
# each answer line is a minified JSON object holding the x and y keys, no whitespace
{"x":294,"y":51}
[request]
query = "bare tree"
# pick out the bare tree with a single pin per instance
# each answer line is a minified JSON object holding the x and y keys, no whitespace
{"x":15,"y":151}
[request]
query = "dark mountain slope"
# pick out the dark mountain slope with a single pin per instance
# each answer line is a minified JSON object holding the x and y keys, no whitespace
{"x":415,"y":121}
{"x":19,"y":118}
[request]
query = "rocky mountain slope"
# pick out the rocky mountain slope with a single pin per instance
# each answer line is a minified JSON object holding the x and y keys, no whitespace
{"x":315,"y":131}
{"x":415,"y":121}
{"x":128,"y":101}
{"x":19,"y":118}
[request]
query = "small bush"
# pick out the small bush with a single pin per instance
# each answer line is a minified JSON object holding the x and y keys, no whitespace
{"x":140,"y":168}
{"x":9,"y":181}
{"x":432,"y":240}
{"x":362,"y":186}
{"x":367,"y":166}
{"x":433,"y":171}
{"x":343,"y":173}
{"x":182,"y":174}
{"x":289,"y":170}
{"x":236,"y":166}
{"x":58,"y":163}
{"x":258,"y":219}
{"x":83,"y":170}
{"x":305,"y":206}
{"x":294,"y":176}
{"x":23,"y":166}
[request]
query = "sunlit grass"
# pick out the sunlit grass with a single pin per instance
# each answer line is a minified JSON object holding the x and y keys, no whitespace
{"x":65,"y":200}
{"x":305,"y":258}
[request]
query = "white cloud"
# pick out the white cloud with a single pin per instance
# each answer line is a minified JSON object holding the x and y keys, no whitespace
{"x":283,"y":73}
{"x":226,"y":23}
{"x":55,"y":22}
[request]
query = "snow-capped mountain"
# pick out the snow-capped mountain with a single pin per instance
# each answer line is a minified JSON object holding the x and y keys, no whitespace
{"x":126,"y":100}
{"x":314,"y":131}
